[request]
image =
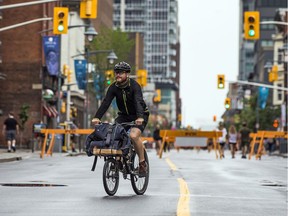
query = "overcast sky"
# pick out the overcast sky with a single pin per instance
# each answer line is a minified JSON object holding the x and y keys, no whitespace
{"x":209,"y":37}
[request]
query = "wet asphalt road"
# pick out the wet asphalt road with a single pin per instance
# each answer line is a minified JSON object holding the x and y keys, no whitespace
{"x":214,"y":187}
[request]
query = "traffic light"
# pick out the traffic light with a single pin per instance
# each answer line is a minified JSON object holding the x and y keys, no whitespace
{"x":142,"y":77}
{"x":157,"y":97}
{"x":109,"y":77}
{"x":69,"y":76}
{"x":65,"y":70}
{"x":275,"y":123}
{"x":227,"y":103}
{"x":73,"y":112}
{"x":88,"y":9}
{"x":63,"y":107}
{"x":251,"y":25}
{"x":60,"y":20}
{"x":273,"y":74}
{"x":220,"y":81}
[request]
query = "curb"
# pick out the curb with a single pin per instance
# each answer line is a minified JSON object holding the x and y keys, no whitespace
{"x":75,"y":154}
{"x":10,"y":159}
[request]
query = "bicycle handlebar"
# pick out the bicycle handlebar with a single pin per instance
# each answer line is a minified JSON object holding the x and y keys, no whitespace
{"x":128,"y":123}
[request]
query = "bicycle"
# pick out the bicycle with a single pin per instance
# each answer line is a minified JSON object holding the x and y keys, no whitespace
{"x":116,"y":162}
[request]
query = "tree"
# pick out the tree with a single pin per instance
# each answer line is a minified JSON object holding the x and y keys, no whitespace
{"x":266,"y":116}
{"x":23,"y":115}
{"x":108,"y":39}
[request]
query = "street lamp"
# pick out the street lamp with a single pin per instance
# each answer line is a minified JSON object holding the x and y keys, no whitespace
{"x":90,"y":33}
{"x":111,"y":57}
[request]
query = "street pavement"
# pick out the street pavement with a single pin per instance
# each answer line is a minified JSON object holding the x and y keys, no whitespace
{"x":22,"y":154}
{"x":188,"y":181}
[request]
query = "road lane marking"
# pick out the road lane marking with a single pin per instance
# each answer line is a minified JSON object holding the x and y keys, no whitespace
{"x":172,"y":165}
{"x":183,"y":203}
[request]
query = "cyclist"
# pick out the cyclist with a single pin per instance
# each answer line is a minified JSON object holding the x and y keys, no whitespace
{"x":131,"y":106}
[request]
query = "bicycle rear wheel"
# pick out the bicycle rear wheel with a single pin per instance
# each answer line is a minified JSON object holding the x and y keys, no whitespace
{"x":110,"y":176}
{"x":139,"y":185}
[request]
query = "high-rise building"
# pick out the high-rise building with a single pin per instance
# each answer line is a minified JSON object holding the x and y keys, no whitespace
{"x":158,"y":22}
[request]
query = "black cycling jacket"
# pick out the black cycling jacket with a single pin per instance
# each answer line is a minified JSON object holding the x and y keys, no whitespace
{"x":129,"y":100}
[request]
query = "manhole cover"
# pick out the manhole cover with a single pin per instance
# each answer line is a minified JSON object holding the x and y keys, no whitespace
{"x":32,"y":185}
{"x":274,"y":185}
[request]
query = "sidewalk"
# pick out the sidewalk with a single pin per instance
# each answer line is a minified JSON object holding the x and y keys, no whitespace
{"x":22,"y":154}
{"x":14,"y":156}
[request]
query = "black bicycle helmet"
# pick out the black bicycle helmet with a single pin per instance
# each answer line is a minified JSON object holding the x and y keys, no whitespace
{"x":122,"y":66}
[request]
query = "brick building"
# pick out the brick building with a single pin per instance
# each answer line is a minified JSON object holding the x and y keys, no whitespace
{"x":22,"y":62}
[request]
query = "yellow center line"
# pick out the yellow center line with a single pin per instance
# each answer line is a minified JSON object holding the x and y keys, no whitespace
{"x":172,"y":165}
{"x":183,"y":203}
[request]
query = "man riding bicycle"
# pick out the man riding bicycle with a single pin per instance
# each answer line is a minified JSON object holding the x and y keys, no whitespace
{"x":131,"y":105}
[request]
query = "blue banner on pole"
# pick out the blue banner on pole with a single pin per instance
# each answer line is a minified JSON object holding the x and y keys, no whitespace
{"x":263,"y":93}
{"x":80,"y":73}
{"x":52,"y":54}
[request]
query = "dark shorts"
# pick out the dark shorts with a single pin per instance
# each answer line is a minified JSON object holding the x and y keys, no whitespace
{"x":10,"y":135}
{"x":222,"y":143}
{"x":244,"y":143}
{"x":130,"y":118}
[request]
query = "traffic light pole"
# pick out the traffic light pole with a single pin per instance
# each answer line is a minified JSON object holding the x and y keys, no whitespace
{"x":26,"y":4}
{"x":24,"y":23}
{"x":274,"y":22}
{"x":272,"y":87}
{"x":258,"y":84}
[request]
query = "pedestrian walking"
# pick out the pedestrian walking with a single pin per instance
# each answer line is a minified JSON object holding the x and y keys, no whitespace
{"x":244,"y":134}
{"x":10,"y":128}
{"x":223,"y":139}
{"x":157,"y":138}
{"x":232,"y":139}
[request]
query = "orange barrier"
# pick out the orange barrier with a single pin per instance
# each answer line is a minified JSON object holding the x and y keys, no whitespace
{"x":66,"y":131}
{"x":58,"y":131}
{"x":170,"y":136}
{"x":258,"y":138}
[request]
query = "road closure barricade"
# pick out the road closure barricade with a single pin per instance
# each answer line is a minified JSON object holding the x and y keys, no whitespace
{"x":189,"y":138}
{"x":257,"y":141}
{"x":52,"y":132}
{"x":49,"y":140}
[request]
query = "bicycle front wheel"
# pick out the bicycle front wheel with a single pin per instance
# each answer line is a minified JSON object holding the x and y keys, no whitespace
{"x":110,"y":176}
{"x":139,"y":185}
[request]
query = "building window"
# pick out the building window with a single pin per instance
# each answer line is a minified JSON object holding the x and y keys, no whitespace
{"x":279,"y":92}
{"x":266,"y":43}
{"x":267,"y":26}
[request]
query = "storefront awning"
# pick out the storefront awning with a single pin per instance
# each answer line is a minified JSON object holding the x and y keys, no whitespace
{"x":50,"y":111}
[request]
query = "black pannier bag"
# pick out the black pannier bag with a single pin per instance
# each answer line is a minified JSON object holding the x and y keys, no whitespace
{"x":107,"y":139}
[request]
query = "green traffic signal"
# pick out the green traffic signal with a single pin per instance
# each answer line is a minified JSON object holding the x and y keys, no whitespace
{"x":251,"y":32}
{"x":251,"y":25}
{"x":60,"y":26}
{"x":108,"y":82}
{"x":227,"y":103}
{"x":227,"y":106}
